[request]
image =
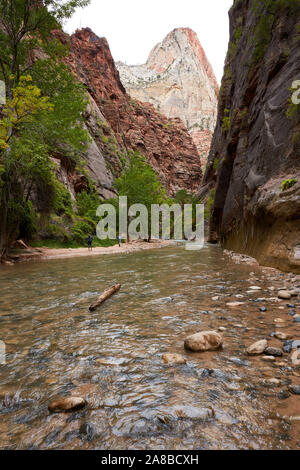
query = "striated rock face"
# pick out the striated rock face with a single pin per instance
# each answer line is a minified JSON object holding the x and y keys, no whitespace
{"x":256,"y":144}
{"x":179,"y":81}
{"x":118,"y":123}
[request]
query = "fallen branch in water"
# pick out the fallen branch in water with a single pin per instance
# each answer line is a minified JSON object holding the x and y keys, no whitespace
{"x":108,"y":293}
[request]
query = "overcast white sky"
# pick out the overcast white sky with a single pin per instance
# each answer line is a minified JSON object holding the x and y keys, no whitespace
{"x":134,"y":27}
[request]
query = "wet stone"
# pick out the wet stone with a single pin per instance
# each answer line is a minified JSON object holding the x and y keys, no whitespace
{"x":287,"y":347}
{"x":283,"y":395}
{"x":263,"y":309}
{"x":270,"y":351}
{"x":295,"y":389}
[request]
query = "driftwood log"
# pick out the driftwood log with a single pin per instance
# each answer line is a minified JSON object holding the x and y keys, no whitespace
{"x":106,"y":294}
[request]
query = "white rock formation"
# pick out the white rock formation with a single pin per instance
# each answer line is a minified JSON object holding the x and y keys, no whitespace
{"x":179,"y":81}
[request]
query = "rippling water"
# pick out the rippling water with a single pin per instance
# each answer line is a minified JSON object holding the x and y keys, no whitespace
{"x":56,"y":347}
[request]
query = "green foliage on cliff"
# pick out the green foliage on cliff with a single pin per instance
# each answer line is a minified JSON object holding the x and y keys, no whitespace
{"x":267,"y":12}
{"x":287,"y":184}
{"x":226,"y":121}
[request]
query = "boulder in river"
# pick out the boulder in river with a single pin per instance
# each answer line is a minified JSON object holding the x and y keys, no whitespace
{"x":63,"y":405}
{"x":204,"y":341}
{"x":257,"y":348}
{"x":173,"y":358}
{"x":284,"y":294}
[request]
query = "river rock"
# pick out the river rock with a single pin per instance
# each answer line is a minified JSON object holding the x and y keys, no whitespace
{"x":204,"y":341}
{"x":257,"y":348}
{"x":284,"y":294}
{"x":234,"y":304}
{"x":268,"y":358}
{"x":281,"y":335}
{"x":173,"y":358}
{"x":63,"y":405}
{"x":295,"y":389}
{"x":271,"y":351}
{"x":295,"y":358}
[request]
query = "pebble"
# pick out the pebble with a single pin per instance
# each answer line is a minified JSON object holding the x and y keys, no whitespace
{"x":283,"y":394}
{"x":296,"y":319}
{"x":222,"y":328}
{"x":281,"y":335}
{"x":268,"y":358}
{"x":271,"y":351}
{"x":295,"y":389}
{"x":274,"y":381}
{"x":234,"y":304}
{"x":257,"y":348}
{"x":291,"y":305}
{"x":67,"y":404}
{"x":263,"y":309}
{"x":284,"y":294}
{"x":171,"y":358}
{"x":295,"y":358}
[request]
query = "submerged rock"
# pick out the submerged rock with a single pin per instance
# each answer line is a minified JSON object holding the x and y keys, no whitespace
{"x":295,"y":358}
{"x":284,"y":294}
{"x":257,"y":348}
{"x":204,"y":341}
{"x":295,"y":389}
{"x":63,"y":405}
{"x":270,"y":351}
{"x":173,"y":358}
{"x":281,"y":335}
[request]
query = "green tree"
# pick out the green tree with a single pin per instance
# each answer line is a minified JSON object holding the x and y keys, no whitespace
{"x":139,"y":182}
{"x":43,"y":112}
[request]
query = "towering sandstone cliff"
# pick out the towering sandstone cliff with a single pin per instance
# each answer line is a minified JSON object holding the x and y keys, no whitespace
{"x":118,"y":123}
{"x":255,"y":151}
{"x":179,"y":81}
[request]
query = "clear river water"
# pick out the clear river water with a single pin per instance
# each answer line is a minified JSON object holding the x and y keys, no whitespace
{"x":112,"y":357}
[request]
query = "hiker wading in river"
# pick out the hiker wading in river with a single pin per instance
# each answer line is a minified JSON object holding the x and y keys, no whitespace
{"x":90,"y":243}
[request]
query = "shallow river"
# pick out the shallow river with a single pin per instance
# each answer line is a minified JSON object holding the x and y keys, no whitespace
{"x":112,"y":357}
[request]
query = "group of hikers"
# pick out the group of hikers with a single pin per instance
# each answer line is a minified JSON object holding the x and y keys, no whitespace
{"x":90,"y":242}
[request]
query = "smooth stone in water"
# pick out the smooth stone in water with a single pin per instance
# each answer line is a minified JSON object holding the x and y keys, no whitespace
{"x":204,"y":341}
{"x":268,"y":358}
{"x":295,"y":389}
{"x":281,"y":335}
{"x":234,"y":304}
{"x":270,"y":351}
{"x":171,"y":358}
{"x":257,"y":348}
{"x":284,"y":294}
{"x":295,"y":358}
{"x":67,"y":404}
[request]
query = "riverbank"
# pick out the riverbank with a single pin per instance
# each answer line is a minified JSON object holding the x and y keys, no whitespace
{"x":44,"y":253}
